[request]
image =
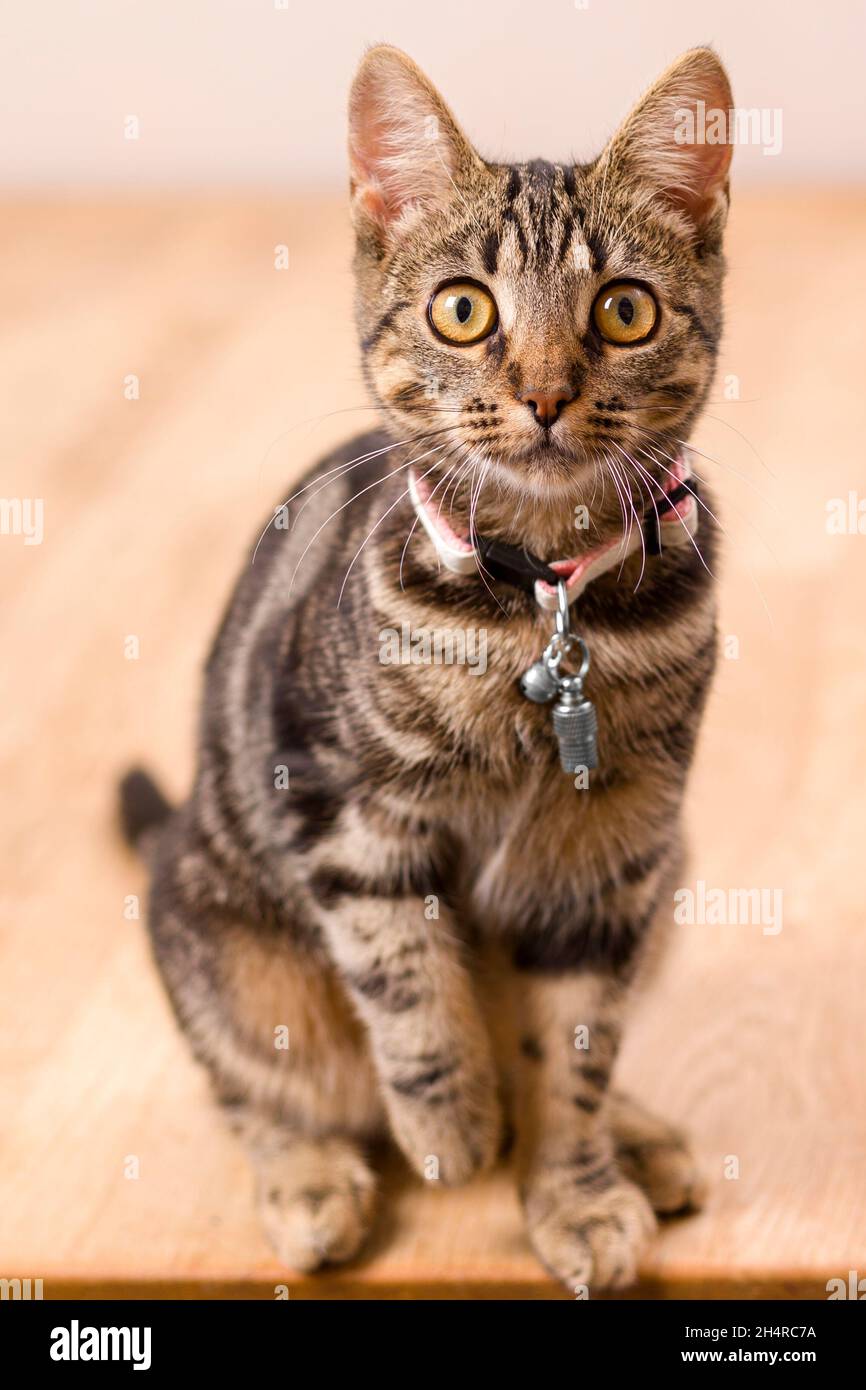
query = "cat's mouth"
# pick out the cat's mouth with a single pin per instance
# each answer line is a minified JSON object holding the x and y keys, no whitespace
{"x":545,"y":448}
{"x":543,"y":463}
{"x":549,"y":448}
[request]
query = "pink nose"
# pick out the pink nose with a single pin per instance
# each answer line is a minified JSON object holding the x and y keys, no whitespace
{"x":547,"y":405}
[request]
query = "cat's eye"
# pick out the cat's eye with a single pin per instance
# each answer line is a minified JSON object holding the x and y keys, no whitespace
{"x":463,"y":312}
{"x":625,"y":314}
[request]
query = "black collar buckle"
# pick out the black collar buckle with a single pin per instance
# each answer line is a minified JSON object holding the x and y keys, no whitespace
{"x":512,"y":565}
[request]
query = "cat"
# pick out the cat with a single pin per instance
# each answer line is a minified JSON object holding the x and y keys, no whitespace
{"x":385,"y":910}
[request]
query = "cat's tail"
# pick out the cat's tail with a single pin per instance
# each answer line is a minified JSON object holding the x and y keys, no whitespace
{"x":143,"y":810}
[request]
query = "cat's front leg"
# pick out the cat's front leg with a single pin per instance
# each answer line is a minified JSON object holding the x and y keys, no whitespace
{"x":429,"y":1044}
{"x":589,"y":1224}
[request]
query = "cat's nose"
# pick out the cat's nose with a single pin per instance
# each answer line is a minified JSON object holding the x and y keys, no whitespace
{"x":546,"y":406}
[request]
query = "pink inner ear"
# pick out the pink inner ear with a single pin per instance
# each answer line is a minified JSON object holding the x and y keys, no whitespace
{"x":705,"y":166}
{"x":373,"y":204}
{"x":403,"y":144}
{"x":708,"y":170}
{"x":370,"y":150}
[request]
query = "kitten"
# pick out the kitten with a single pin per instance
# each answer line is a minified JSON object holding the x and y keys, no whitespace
{"x":385,"y":857}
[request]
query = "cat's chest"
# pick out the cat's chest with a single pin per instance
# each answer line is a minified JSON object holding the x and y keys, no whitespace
{"x":505,"y":734}
{"x":452,"y":687}
{"x":538,"y":840}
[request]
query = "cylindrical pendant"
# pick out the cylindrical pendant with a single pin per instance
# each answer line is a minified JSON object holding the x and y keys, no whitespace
{"x":576,"y":728}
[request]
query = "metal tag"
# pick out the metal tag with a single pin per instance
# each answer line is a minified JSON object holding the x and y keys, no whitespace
{"x":574,"y":719}
{"x":576,"y":728}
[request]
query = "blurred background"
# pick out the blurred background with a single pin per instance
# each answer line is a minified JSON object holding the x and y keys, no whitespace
{"x":176,"y":347}
{"x":251,"y":93}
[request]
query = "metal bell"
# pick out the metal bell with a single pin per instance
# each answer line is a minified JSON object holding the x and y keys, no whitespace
{"x":537,"y":684}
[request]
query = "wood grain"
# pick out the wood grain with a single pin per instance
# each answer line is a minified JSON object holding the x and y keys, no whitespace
{"x":246,"y":372}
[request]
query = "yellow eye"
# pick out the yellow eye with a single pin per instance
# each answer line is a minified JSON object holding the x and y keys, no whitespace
{"x":624,"y":313}
{"x":463,"y":313}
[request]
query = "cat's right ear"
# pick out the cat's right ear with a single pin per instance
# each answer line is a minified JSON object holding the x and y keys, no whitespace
{"x":406,"y":151}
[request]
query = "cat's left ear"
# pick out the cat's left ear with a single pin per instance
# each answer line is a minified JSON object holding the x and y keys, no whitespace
{"x":406,"y":151}
{"x":678,"y":141}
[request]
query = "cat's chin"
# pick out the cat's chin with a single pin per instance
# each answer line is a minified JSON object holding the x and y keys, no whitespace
{"x":547,"y":470}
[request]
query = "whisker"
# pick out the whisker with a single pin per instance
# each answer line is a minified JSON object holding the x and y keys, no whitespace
{"x":597,"y":473}
{"x":339,"y":468}
{"x":415,"y":523}
{"x":618,"y":491}
{"x":657,"y":485}
{"x":719,"y":420}
{"x":357,"y":463}
{"x":347,"y":503}
{"x":749,"y":568}
{"x":700,"y":503}
{"x":459,"y":468}
{"x":725,"y":467}
{"x":633,"y":520}
{"x":475,"y":495}
{"x":386,"y":513}
{"x":657,"y":449}
{"x":618,"y":479}
{"x":739,"y":511}
{"x":638,"y":520}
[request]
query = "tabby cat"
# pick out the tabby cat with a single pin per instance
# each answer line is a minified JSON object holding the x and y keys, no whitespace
{"x":382,"y":863}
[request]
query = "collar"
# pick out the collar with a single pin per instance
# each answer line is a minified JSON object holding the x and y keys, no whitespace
{"x":671,"y":521}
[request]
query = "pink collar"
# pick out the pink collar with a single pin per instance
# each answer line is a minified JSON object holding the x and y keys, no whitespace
{"x":669,"y":522}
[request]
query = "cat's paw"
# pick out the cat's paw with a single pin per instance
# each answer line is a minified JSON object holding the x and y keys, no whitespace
{"x":656,"y":1156}
{"x":316,"y":1203}
{"x":452,"y":1135}
{"x":589,"y":1234}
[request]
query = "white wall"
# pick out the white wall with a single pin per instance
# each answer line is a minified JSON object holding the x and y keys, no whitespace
{"x":246,"y":92}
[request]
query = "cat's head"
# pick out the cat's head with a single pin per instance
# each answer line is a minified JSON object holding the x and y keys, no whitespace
{"x":546,"y":319}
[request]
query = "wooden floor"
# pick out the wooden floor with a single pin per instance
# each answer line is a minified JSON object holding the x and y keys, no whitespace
{"x":756,"y":1041}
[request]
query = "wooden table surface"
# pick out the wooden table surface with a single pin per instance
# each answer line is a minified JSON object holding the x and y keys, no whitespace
{"x":246,"y":372}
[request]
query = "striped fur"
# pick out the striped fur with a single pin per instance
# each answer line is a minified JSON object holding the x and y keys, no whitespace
{"x":430,"y":907}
